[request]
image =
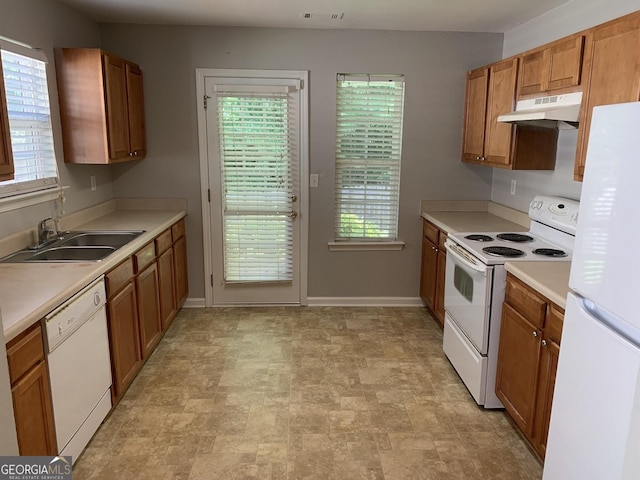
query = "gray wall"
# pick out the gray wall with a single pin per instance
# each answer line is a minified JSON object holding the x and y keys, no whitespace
{"x":48,"y":24}
{"x":434,"y":65}
{"x":569,"y":18}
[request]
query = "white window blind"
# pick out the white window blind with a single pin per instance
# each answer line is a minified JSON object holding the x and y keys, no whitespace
{"x":257,"y":150}
{"x":368,"y":150}
{"x":25,"y":81}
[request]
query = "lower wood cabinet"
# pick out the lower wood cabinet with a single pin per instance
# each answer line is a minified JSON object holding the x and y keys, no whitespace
{"x":124,"y":337}
{"x":31,"y":393}
{"x":432,"y":269}
{"x":144,"y":293}
{"x":181,"y":277}
{"x":527,"y":360}
{"x":147,"y":294}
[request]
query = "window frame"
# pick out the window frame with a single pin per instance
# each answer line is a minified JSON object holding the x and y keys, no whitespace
{"x":35,"y":191}
{"x":391,"y":162}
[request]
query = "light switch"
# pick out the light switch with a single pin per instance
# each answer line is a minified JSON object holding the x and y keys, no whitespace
{"x":314,"y":179}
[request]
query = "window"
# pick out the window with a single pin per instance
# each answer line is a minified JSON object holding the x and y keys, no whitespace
{"x":368,"y":150}
{"x":26,"y":92}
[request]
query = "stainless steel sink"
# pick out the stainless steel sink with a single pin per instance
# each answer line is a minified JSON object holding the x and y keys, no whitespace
{"x":98,"y":239}
{"x":76,"y":246}
{"x":72,"y":254}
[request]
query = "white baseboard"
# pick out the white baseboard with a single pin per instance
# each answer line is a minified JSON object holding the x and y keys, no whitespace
{"x":365,"y":302}
{"x":193,"y":303}
{"x":334,"y":302}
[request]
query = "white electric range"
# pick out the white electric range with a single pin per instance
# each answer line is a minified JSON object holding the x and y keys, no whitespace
{"x":475,"y":282}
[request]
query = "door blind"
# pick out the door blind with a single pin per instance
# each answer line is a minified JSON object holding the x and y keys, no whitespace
{"x":257,"y":149}
{"x":29,"y":114}
{"x":368,"y":150}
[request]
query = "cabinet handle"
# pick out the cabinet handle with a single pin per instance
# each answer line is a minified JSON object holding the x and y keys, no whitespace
{"x":544,"y":343}
{"x":478,"y":157}
{"x":131,"y":154}
{"x":535,"y":334}
{"x":482,"y":159}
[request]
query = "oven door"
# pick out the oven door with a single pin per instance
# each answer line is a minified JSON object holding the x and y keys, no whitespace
{"x":467,"y":295}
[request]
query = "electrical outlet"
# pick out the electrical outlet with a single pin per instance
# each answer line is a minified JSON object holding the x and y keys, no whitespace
{"x":513,"y":187}
{"x":314,"y":180}
{"x":93,"y":183}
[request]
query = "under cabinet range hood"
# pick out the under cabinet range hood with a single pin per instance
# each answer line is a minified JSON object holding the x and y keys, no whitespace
{"x":557,"y":111}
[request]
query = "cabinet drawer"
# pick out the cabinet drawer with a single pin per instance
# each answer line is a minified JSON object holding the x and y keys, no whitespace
{"x":554,"y":322}
{"x":145,"y":256}
{"x":24,"y":351}
{"x":526,"y":302}
{"x":430,"y":231}
{"x":177,"y":230}
{"x":163,"y":241}
{"x":119,"y":277}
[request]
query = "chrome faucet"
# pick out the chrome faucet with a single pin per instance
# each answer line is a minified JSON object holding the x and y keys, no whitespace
{"x":44,"y":232}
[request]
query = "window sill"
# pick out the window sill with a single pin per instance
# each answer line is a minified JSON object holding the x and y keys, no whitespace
{"x":365,"y":246}
{"x":22,"y":200}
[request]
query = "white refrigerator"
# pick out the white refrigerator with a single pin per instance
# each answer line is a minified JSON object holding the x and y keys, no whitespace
{"x":595,"y":420}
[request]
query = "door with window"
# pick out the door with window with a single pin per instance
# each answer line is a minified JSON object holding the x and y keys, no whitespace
{"x":254,"y":145}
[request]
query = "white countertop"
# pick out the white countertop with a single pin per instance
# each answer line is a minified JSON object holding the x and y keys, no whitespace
{"x":29,"y":291}
{"x":550,"y":279}
{"x":471,"y":221}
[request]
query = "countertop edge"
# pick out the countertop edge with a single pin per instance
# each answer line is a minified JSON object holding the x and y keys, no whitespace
{"x":100,"y":268}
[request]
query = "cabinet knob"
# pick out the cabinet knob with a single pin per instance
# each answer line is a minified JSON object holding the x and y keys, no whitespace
{"x":535,"y":334}
{"x":478,"y":157}
{"x":482,"y":159}
{"x":544,"y":343}
{"x":131,"y":154}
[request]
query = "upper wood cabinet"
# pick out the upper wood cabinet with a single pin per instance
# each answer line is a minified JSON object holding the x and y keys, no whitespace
{"x":552,"y":67}
{"x":491,"y":92}
{"x":6,"y":156}
{"x":611,"y":73}
{"x":101,"y":107}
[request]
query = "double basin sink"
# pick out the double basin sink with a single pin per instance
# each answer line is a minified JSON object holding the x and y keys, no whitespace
{"x":90,"y":246}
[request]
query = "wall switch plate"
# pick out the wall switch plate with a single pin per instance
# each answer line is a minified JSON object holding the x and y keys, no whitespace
{"x":513,"y":187}
{"x":93,"y":183}
{"x":314,"y":180}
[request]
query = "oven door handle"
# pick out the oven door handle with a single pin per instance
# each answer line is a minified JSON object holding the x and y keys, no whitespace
{"x":462,"y":256}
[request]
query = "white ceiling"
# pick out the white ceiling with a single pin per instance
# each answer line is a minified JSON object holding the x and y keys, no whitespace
{"x":421,"y":15}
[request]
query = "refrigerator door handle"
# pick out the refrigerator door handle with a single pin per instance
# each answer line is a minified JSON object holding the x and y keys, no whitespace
{"x":622,"y":328}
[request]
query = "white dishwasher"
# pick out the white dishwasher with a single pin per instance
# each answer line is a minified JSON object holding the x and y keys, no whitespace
{"x":79,"y":367}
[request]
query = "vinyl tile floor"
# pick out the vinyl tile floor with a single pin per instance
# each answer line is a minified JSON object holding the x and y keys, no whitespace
{"x":303,"y":393}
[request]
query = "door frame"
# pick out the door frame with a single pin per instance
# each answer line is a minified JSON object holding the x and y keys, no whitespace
{"x":205,"y":188}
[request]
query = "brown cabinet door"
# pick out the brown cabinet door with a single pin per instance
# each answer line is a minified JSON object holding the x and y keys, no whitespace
{"x":148,"y":309}
{"x":126,"y":357}
{"x":544,"y":400}
{"x":564,"y":63}
{"x":180,"y":271}
{"x":442,"y":267}
{"x":532,"y":73}
{"x":6,"y":156}
{"x":167,"y":291}
{"x":518,"y":360}
{"x":137,"y":134}
{"x":116,"y":106}
{"x":502,"y":93}
{"x":429,"y":274}
{"x":33,"y":413}
{"x":612,"y":74}
{"x":474,"y":115}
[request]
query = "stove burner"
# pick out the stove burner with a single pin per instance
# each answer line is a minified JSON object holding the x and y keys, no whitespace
{"x":515,"y":237}
{"x":550,"y":252}
{"x":503,"y":251}
{"x":479,"y":238}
